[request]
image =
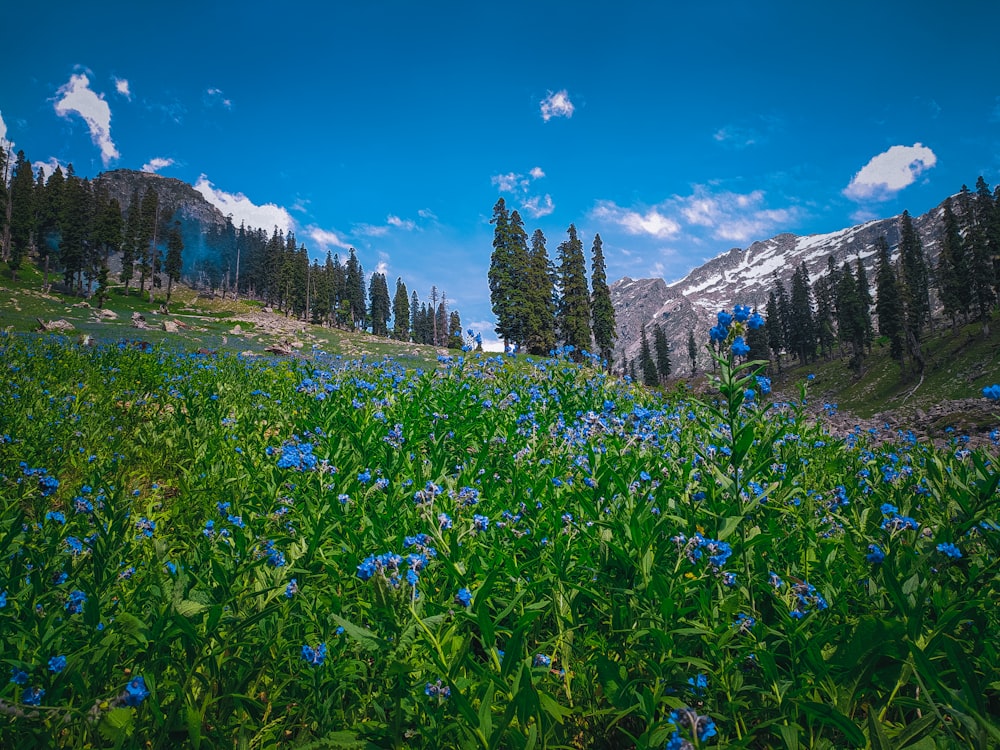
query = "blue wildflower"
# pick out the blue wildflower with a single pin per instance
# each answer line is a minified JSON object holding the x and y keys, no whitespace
{"x":145,"y":527}
{"x":741,"y":313}
{"x":739,"y":347}
{"x":74,"y":605}
{"x":464,"y":597}
{"x":949,"y":549}
{"x":480,"y":523}
{"x":437,"y":690}
{"x":992,"y":392}
{"x":55,"y":515}
{"x":542,"y":660}
{"x":3,"y":599}
{"x":57,"y":664}
{"x":314,"y":655}
{"x":32,"y":696}
{"x":18,"y":676}
{"x":292,"y":588}
{"x":875,"y":554}
{"x":135,"y":692}
{"x":698,"y":684}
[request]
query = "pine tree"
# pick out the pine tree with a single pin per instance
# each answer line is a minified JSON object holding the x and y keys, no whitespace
{"x":508,"y":275}
{"x":50,"y":209}
{"x":400,"y":312}
{"x":540,"y":317}
{"x":772,"y":327}
{"x":824,"y":292}
{"x":74,"y":224}
{"x":441,"y":326}
{"x":802,"y":331}
{"x":850,"y":321}
{"x":454,"y":330}
{"x":378,"y":295}
{"x":693,"y":351}
{"x":5,"y":205}
{"x":784,"y":313}
{"x":149,"y":211}
{"x":131,"y":240}
{"x":888,"y":301}
{"x":646,"y":362}
{"x":22,"y":212}
{"x":174,"y":261}
{"x":981,"y":251}
{"x":355,"y":291}
{"x":573,"y":316}
{"x":415,"y":318}
{"x":865,"y":298}
{"x":602,"y":311}
{"x":662,"y":349}
{"x":915,"y":288}
{"x":952,"y":280}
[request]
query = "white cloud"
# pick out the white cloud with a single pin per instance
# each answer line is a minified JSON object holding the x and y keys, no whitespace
{"x":536,"y":173}
{"x":244,"y":210}
{"x":408,"y":224}
{"x":889,"y":172}
{"x":382,"y":266}
{"x":216,"y":96}
{"x":326,"y":239}
{"x":4,"y":143}
{"x":539,"y":206}
{"x":735,"y":217}
{"x":557,"y":105}
{"x":156,"y":164}
{"x":49,"y":166}
{"x":510,"y":182}
{"x":652,"y":222}
{"x":426,"y":213}
{"x":121,"y":86}
{"x":484,"y":328}
{"x":371,"y":230}
{"x":77,"y":97}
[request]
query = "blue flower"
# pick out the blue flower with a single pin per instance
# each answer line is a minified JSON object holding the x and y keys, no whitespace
{"x":949,"y":549}
{"x":3,"y":599}
{"x":145,"y":527}
{"x":741,"y":313}
{"x":464,"y":597}
{"x":292,"y":588}
{"x":55,"y":515}
{"x":437,"y":690}
{"x":875,"y":554}
{"x":764,"y":384}
{"x":74,"y":605}
{"x":135,"y":692}
{"x":755,"y":321}
{"x":698,"y":684}
{"x":57,"y":663}
{"x":480,"y":523}
{"x":32,"y":696}
{"x":542,"y":660}
{"x":992,"y":392}
{"x":18,"y":677}
{"x":739,"y":347}
{"x":314,"y":655}
{"x":724,"y":319}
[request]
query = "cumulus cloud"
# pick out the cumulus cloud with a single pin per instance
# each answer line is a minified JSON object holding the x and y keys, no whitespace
{"x":121,"y":86}
{"x":539,"y":206}
{"x":426,"y":213}
{"x":510,"y":182}
{"x":4,"y":143}
{"x":382,"y":266}
{"x":244,"y":210}
{"x":722,"y":215}
{"x":371,"y":230}
{"x":889,"y":172}
{"x":156,"y":164}
{"x":557,"y":105}
{"x":486,"y":329}
{"x":326,"y":239}
{"x":49,"y":166}
{"x":536,"y":173}
{"x":77,"y":97}
{"x":651,"y":222}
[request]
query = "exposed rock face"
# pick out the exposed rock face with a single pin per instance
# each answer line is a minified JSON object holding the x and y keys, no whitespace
{"x":180,"y":199}
{"x":746,"y":277}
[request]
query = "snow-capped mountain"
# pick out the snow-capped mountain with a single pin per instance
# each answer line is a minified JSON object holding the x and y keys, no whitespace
{"x":746,"y":277}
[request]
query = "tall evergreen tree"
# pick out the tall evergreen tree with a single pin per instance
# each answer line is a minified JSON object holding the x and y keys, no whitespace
{"x":952,"y":271}
{"x":915,"y":288}
{"x":602,"y":311}
{"x":49,"y":211}
{"x":692,"y":352}
{"x":378,"y":295}
{"x":850,"y":321}
{"x":980,"y":252}
{"x":824,"y":292}
{"x":22,"y":214}
{"x":508,"y":274}
{"x":540,"y":313}
{"x":74,"y":224}
{"x":888,"y":301}
{"x":415,"y":317}
{"x":646,"y":362}
{"x":661,"y":347}
{"x":865,"y":298}
{"x":802,"y":331}
{"x":355,"y":291}
{"x":454,"y":330}
{"x":772,"y":327}
{"x":441,"y":325}
{"x":400,"y":312}
{"x":573,"y":316}
{"x":131,"y":240}
{"x":174,"y":261}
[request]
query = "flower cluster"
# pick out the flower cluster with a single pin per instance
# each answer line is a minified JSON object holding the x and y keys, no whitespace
{"x":295,"y":455}
{"x":135,"y":692}
{"x":393,"y":568}
{"x":437,"y":690}
{"x":893,"y":521}
{"x":690,"y":722}
{"x":805,"y":597}
{"x":992,"y":392}
{"x":949,"y":550}
{"x":698,"y":546}
{"x":314,"y":655}
{"x":731,"y":328}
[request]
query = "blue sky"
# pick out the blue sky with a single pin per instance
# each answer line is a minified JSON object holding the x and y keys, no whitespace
{"x":676,"y":131}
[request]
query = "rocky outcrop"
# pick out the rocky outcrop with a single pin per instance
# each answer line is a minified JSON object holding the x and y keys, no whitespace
{"x":182,"y":201}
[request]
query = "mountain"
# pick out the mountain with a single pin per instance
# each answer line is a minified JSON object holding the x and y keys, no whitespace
{"x":746,"y":277}
{"x":185,"y":203}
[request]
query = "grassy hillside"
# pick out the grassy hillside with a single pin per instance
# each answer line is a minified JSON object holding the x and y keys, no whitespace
{"x":204,"y":321}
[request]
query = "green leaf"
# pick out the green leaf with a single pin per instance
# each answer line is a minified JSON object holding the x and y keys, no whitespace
{"x":916,"y":731}
{"x":875,"y":733}
{"x":729,"y":525}
{"x":117,"y":724}
{"x":553,"y":708}
{"x":830,"y":716}
{"x":368,"y":640}
{"x":188,"y":608}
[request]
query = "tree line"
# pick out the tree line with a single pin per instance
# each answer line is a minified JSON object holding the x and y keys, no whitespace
{"x":72,"y":226}
{"x":540,"y":305}
{"x":833,"y":314}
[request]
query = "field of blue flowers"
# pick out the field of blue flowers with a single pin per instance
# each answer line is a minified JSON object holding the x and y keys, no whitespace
{"x":212,"y":551}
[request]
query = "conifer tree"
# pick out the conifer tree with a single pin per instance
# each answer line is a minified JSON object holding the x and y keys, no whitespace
{"x":602,"y":311}
{"x":982,"y":244}
{"x":49,"y":210}
{"x":400,"y":312}
{"x":865,"y":298}
{"x":508,"y":274}
{"x":454,"y":330}
{"x":573,"y":316}
{"x":355,"y":291}
{"x":540,"y":312}
{"x":850,"y":321}
{"x":22,"y":211}
{"x":888,"y":301}
{"x":174,"y":261}
{"x":824,"y":292}
{"x":131,"y":241}
{"x":952,"y":272}
{"x":802,"y":331}
{"x":415,"y":318}
{"x":378,"y":296}
{"x":441,"y":324}
{"x":662,"y":349}
{"x":646,"y":362}
{"x":915,"y":288}
{"x":693,"y":352}
{"x":772,"y":327}
{"x":74,"y":225}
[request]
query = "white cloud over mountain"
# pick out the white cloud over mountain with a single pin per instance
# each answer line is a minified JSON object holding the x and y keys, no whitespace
{"x":77,"y":97}
{"x":889,"y":172}
{"x":266,"y":216}
{"x":156,"y":164}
